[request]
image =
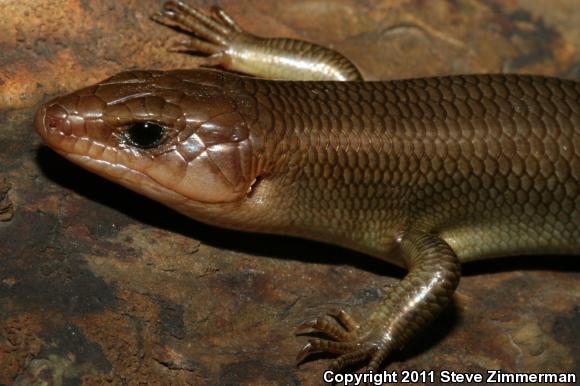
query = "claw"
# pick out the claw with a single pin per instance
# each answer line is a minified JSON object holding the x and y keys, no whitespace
{"x":325,"y":325}
{"x":345,"y":319}
{"x":306,"y":327}
{"x":226,"y":19}
{"x":304,"y":353}
{"x":192,"y":44}
{"x":318,"y":346}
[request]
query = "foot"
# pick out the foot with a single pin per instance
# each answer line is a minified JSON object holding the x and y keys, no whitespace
{"x":210,"y":35}
{"x":346,"y":338}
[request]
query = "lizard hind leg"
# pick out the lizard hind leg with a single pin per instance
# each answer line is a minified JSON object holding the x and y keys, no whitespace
{"x":407,"y":307}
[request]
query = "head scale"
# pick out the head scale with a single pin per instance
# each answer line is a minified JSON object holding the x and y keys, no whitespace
{"x":178,"y":137}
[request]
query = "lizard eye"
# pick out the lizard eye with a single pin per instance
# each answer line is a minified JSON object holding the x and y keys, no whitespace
{"x":145,"y":135}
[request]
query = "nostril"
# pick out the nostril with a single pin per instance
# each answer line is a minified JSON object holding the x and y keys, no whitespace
{"x":57,"y":118}
{"x":51,"y":122}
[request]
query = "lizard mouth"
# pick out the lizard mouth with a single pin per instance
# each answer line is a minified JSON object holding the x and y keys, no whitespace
{"x":133,"y":180}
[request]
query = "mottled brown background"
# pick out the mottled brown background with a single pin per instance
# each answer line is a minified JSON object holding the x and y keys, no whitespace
{"x":101,"y":286}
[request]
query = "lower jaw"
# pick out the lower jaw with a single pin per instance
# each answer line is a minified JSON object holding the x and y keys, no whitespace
{"x":129,"y":178}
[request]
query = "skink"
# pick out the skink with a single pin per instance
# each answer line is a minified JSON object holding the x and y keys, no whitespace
{"x":423,"y":173}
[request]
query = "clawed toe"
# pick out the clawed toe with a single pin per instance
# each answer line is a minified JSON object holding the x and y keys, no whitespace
{"x":342,"y":329}
{"x":336,"y":324}
{"x":353,"y":344}
{"x":191,"y":44}
{"x":350,"y":359}
{"x":315,"y":346}
{"x":212,"y":34}
{"x":325,"y":325}
{"x":345,"y":319}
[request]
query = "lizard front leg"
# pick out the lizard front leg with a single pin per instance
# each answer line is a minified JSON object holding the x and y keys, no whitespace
{"x":407,"y":307}
{"x":234,"y":49}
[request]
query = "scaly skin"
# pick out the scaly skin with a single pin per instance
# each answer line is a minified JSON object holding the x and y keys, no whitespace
{"x":423,"y":173}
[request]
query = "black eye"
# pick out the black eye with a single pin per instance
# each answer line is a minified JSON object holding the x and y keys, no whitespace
{"x":145,"y":134}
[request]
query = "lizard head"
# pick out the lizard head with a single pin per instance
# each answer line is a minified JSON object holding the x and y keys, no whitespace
{"x":176,"y":136}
